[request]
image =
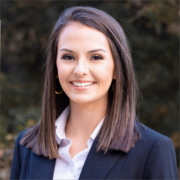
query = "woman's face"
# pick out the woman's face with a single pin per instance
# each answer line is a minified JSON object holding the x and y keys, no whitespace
{"x":85,"y":64}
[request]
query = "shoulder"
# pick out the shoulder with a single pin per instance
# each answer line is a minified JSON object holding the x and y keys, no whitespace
{"x":157,"y":153}
{"x":154,"y":147}
{"x":21,"y":153}
{"x":151,"y":143}
{"x":20,"y":136}
{"x":154,"y":153}
{"x":19,"y":148}
{"x":149,"y":137}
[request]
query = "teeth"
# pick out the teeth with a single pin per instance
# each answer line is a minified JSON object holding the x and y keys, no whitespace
{"x":82,"y":84}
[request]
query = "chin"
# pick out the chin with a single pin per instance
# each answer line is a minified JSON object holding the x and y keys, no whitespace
{"x":82,"y":100}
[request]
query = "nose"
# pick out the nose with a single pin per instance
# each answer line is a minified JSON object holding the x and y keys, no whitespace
{"x":80,"y":69}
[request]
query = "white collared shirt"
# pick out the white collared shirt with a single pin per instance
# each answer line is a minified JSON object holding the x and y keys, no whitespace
{"x":66,"y":167}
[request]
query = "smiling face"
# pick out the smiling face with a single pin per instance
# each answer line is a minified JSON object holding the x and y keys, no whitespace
{"x":85,"y":64}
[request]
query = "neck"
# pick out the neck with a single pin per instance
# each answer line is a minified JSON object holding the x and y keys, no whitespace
{"x":84,"y":118}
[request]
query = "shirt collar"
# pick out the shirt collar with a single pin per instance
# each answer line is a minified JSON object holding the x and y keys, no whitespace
{"x":60,"y":124}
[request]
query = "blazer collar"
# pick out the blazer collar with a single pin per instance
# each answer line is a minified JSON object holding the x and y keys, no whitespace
{"x":98,"y":164}
{"x":41,"y":167}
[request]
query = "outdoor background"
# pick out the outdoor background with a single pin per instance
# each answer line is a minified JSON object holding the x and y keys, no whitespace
{"x":152,"y":29}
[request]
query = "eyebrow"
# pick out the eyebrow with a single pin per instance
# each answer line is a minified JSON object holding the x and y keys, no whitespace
{"x":95,"y":50}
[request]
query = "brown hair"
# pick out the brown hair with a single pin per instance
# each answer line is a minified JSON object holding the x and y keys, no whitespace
{"x":119,"y":130}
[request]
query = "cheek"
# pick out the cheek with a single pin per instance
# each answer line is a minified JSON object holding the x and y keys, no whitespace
{"x":63,"y":73}
{"x":109,"y":70}
{"x":105,"y":73}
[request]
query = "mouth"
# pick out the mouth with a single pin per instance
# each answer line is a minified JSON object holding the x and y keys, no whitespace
{"x":82,"y":84}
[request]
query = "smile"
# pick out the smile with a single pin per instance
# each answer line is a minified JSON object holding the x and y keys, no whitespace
{"x":77,"y":84}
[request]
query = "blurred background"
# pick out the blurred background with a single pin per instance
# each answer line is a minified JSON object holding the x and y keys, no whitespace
{"x":152,"y":29}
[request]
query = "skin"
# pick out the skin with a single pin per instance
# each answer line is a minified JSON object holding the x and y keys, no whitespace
{"x":75,"y":62}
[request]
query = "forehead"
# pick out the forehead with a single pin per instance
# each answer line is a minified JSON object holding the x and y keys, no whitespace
{"x":76,"y":32}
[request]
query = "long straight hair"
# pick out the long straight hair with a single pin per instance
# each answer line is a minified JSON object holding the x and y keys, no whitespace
{"x":119,"y":130}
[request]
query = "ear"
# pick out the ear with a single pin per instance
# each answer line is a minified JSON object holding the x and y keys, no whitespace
{"x":114,"y":77}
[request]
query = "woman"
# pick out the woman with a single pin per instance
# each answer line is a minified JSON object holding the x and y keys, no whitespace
{"x":88,"y":127}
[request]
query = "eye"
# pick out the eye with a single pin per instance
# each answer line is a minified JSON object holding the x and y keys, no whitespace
{"x":96,"y":57}
{"x":68,"y":57}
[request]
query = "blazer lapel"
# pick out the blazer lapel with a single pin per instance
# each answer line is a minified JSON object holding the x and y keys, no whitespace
{"x":98,"y":165}
{"x":41,"y":167}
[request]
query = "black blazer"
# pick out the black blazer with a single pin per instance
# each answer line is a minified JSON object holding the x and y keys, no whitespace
{"x":153,"y":157}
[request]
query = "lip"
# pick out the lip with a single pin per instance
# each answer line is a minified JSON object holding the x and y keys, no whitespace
{"x":81,"y":81}
{"x":82,"y":88}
